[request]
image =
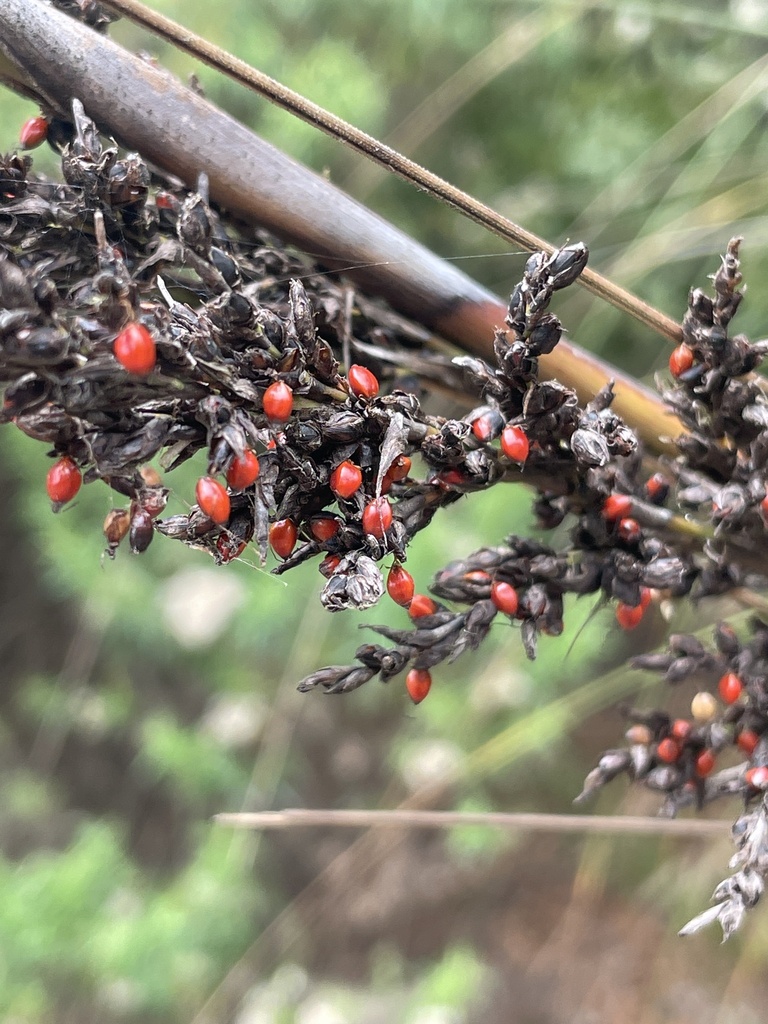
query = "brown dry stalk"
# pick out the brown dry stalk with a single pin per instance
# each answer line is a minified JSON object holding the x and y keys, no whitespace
{"x":387,"y":157}
{"x":528,"y":822}
{"x":54,"y":58}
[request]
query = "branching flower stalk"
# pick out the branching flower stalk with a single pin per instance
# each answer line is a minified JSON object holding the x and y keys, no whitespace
{"x":138,"y":322}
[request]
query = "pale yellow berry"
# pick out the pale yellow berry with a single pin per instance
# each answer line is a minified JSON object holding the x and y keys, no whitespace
{"x":703,"y":707}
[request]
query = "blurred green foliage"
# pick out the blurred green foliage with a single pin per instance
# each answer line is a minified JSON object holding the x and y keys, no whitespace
{"x":639,"y":127}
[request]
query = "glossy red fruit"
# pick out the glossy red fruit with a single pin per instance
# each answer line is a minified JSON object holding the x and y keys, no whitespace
{"x":377,"y":517}
{"x":705,"y":762}
{"x":135,"y":349}
{"x":346,"y":479}
{"x":757,"y":778}
{"x":616,"y":506}
{"x":627,"y":616}
{"x":400,"y":585}
{"x":421,"y":605}
{"x":484,"y":426}
{"x":33,"y":132}
{"x":278,"y":402}
{"x":282,"y":537}
{"x":628,"y":530}
{"x":730,"y":687}
{"x":362,"y":382}
{"x":450,"y":478}
{"x":646,"y":596}
{"x":418,"y":683}
{"x":243,"y":470}
{"x":329,"y":565}
{"x":323,"y":528}
{"x":514,"y":443}
{"x":667,"y":750}
{"x":213,"y":499}
{"x":504,"y":596}
{"x":680,"y":360}
{"x":681,"y":729}
{"x":747,"y":740}
{"x":657,"y":488}
{"x":399,"y":469}
{"x":63,"y":481}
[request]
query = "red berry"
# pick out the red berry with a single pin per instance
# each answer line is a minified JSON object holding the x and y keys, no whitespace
{"x":646,"y":596}
{"x":514,"y":443}
{"x":450,"y":478}
{"x":681,"y":729}
{"x":377,"y":517}
{"x":135,"y":349}
{"x":243,"y":471}
{"x":282,"y":537}
{"x":616,"y":506}
{"x":680,"y":360}
{"x":33,"y":132}
{"x":747,"y":740}
{"x":63,"y":481}
{"x":399,"y":468}
{"x":764,"y":508}
{"x":504,"y":596}
{"x":757,"y":778}
{"x":213,"y":499}
{"x":418,"y":683}
{"x":657,"y":488}
{"x":421,"y":605}
{"x":484,"y":427}
{"x":362,"y":382}
{"x":278,"y":402}
{"x":667,"y":750}
{"x":627,"y":616}
{"x":705,"y":762}
{"x":323,"y":528}
{"x":400,"y":585}
{"x":229,"y":547}
{"x":329,"y":565}
{"x":628,"y":530}
{"x":346,"y":479}
{"x":730,"y":687}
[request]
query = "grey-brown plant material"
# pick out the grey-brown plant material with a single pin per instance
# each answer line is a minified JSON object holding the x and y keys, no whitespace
{"x":139,"y":323}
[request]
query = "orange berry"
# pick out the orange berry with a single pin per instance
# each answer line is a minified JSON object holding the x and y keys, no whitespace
{"x":421,"y":605}
{"x":680,"y":360}
{"x":730,"y":687}
{"x":135,"y":349}
{"x":282,"y":537}
{"x":705,"y":762}
{"x":418,"y":683}
{"x":504,"y":596}
{"x":400,"y":585}
{"x":243,"y":471}
{"x":515,"y":444}
{"x":616,"y":506}
{"x":63,"y":481}
{"x":667,"y":750}
{"x":278,"y":402}
{"x":213,"y":499}
{"x":362,"y":382}
{"x":346,"y":479}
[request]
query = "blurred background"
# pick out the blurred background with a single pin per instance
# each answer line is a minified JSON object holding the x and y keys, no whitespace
{"x":141,"y":696}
